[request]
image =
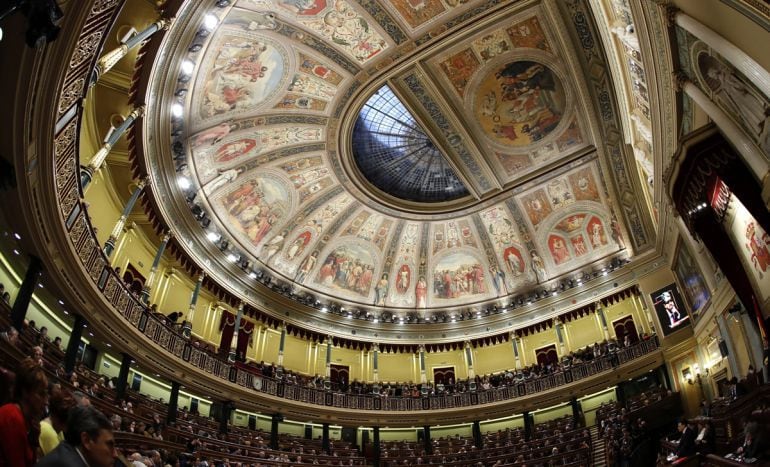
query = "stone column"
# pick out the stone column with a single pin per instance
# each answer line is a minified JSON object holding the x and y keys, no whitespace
{"x":27,"y":289}
{"x":478,"y":440}
{"x":109,"y":245}
{"x":231,"y":357}
{"x":376,"y":444}
{"x":724,"y":331}
{"x":427,"y":444}
{"x":328,"y":357}
{"x":515,"y":343}
{"x":560,"y":336}
{"x":375,"y":364}
{"x":87,"y":173}
{"x":71,"y":355}
{"x":602,"y":320}
{"x":274,"y":421}
{"x":125,"y":367}
{"x":111,"y":58}
{"x":187,"y":328}
{"x":746,"y":147}
{"x":173,"y":403}
{"x":423,"y":376}
{"x":281,"y":344}
{"x":325,"y":438}
{"x":469,"y":359}
{"x":753,"y":71}
{"x":154,"y":269}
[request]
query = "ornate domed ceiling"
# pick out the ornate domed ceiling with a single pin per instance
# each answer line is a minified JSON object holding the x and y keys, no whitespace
{"x":404,"y":154}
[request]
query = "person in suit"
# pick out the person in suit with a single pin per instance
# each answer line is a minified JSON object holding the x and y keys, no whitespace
{"x":88,"y":441}
{"x":687,"y":437}
{"x":753,"y":446}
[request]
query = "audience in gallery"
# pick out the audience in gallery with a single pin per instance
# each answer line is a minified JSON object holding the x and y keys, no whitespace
{"x":20,"y":418}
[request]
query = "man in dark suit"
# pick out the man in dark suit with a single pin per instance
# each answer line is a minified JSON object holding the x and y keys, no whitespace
{"x":686,"y":445}
{"x":88,"y":441}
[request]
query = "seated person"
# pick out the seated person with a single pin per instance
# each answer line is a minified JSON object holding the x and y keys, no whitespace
{"x":753,"y":446}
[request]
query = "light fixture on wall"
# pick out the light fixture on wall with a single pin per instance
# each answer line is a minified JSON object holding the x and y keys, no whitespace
{"x":695,"y":376}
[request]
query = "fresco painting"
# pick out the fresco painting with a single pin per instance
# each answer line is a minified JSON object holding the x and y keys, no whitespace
{"x":459,"y":68}
{"x":596,"y":232}
{"x":499,"y":227}
{"x":234,"y":149}
{"x":256,"y":206}
{"x":266,"y":139}
{"x":529,"y":34}
{"x":316,"y":187}
{"x":559,"y":193}
{"x":313,"y":67}
{"x":356,"y":223}
{"x":246,"y":72}
{"x":302,"y":164}
{"x":514,"y":164}
{"x":304,"y":84}
{"x":348,"y":30}
{"x":579,"y":245}
{"x":514,"y":262}
{"x":491,"y":45}
{"x":382,"y":233}
{"x":557,"y":245}
{"x":348,"y":267}
{"x":297,"y":246}
{"x":297,"y":101}
{"x":571,"y":223}
{"x":303,"y":7}
{"x":737,"y":96}
{"x":519,"y":103}
{"x":439,"y":240}
{"x":536,"y":206}
{"x":417,"y":12}
{"x":304,"y":178}
{"x":458,"y":274}
{"x":570,"y":137}
{"x":584,"y":185}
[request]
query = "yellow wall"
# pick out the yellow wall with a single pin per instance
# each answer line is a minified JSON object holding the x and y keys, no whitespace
{"x":295,"y":354}
{"x":103,"y":208}
{"x":516,"y":421}
{"x":397,"y":367}
{"x":551,"y":413}
{"x":583,"y":331}
{"x":465,"y":430}
{"x":533,"y":342}
{"x":452,"y":358}
{"x":493,"y":358}
{"x":591,"y":403}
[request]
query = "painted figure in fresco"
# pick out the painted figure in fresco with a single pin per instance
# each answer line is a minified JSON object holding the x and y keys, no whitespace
{"x":498,"y":280}
{"x":234,"y":150}
{"x":513,"y":261}
{"x":298,"y":246}
{"x":757,"y":246}
{"x":538,"y":266}
{"x":224,"y":177}
{"x":579,"y":245}
{"x":403,"y":279}
{"x":213,"y":135}
{"x":617,"y":235}
{"x":597,"y":235}
{"x":381,"y":290}
{"x":274,"y":245}
{"x":307,"y":266}
{"x":559,"y":250}
{"x":740,"y":98}
{"x":421,"y":292}
{"x":349,"y":29}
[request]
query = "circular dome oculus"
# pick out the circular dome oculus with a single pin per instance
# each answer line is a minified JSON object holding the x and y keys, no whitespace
{"x":395,"y":154}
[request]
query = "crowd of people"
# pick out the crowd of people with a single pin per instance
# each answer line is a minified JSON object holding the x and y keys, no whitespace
{"x":509,"y":378}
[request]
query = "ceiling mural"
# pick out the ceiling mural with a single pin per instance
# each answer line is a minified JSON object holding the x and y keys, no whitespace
{"x":479,"y":143}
